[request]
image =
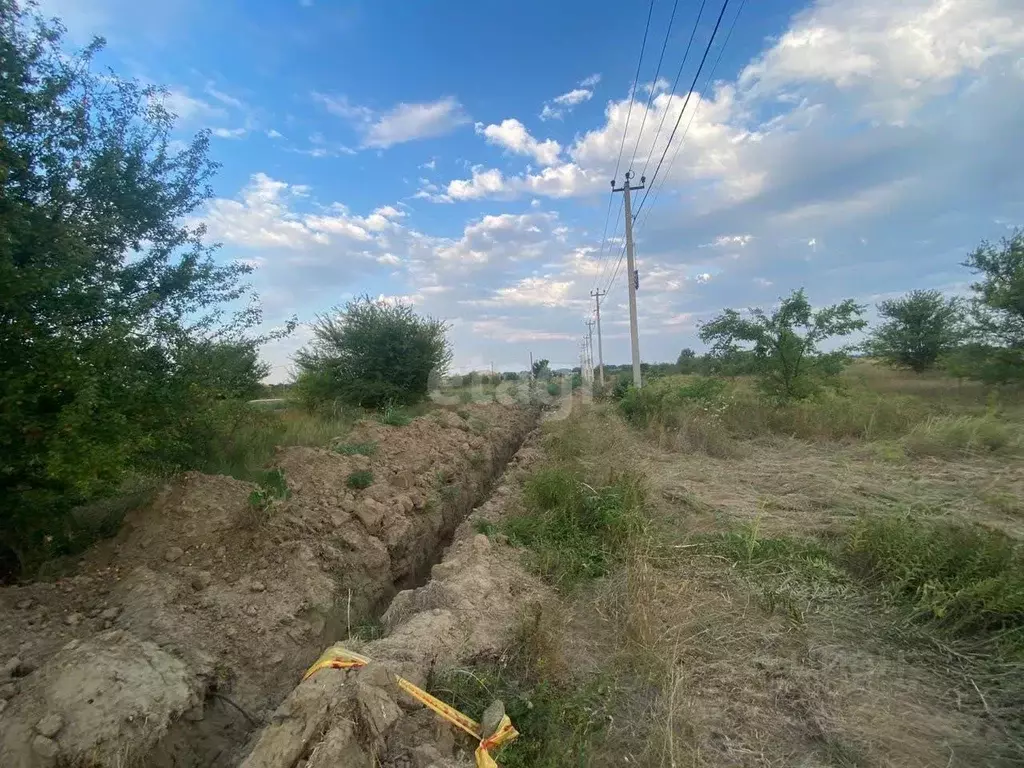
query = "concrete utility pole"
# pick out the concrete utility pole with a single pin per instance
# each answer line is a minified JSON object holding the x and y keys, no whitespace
{"x":600,"y":348}
{"x":631,"y":275}
{"x":590,"y":347}
{"x":531,"y":366}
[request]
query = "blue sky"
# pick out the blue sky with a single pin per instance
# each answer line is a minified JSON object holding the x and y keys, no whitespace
{"x":458,"y":154}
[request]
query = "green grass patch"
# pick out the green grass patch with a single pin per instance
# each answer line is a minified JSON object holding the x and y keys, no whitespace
{"x":357,"y":449}
{"x":361,"y":478}
{"x":575,"y":532}
{"x":561,"y":722}
{"x":965,"y":581}
{"x":486,"y":527}
{"x":969,"y":579}
{"x":394,"y":416}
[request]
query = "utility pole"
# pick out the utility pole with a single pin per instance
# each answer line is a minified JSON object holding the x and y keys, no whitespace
{"x":631,"y":275}
{"x":600,"y":348}
{"x":531,"y":365}
{"x":590,"y":347}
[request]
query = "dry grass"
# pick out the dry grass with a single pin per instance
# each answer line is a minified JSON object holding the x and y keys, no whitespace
{"x":794,"y":661}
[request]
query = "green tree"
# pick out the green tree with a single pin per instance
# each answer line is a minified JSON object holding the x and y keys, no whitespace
{"x":997,"y":312}
{"x":371,"y":353}
{"x":541,"y":369}
{"x":687,"y":361}
{"x":920,"y":327}
{"x":108,"y":295}
{"x":785,"y":343}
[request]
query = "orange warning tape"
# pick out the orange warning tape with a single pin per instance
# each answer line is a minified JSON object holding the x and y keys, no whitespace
{"x":337,"y":657}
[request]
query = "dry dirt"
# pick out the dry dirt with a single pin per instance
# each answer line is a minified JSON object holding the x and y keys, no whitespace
{"x":477,"y":597}
{"x":175,"y":640}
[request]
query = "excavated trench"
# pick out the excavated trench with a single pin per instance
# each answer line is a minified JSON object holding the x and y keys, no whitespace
{"x":175,"y":642}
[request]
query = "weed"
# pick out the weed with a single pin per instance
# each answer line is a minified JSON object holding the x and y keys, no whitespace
{"x":560,"y":722}
{"x":967,"y":578}
{"x":361,"y":478}
{"x":271,"y":486}
{"x":368,"y":629}
{"x":463,"y":414}
{"x":477,"y":459}
{"x":450,"y":493}
{"x":360,"y":449}
{"x":486,"y":527}
{"x":394,"y":416}
{"x":465,"y":397}
{"x":575,"y":532}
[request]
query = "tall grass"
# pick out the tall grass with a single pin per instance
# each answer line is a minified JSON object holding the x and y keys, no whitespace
{"x":575,"y":532}
{"x":244,"y":448}
{"x":967,"y":581}
{"x":702,"y":414}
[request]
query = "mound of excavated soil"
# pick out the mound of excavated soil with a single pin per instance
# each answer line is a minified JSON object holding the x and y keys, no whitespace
{"x":475,"y":600}
{"x":176,"y":638}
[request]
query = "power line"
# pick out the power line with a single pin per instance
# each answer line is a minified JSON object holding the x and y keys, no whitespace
{"x":632,"y":91}
{"x":686,"y":101}
{"x":675,"y":83}
{"x":701,"y":98}
{"x":625,"y":129}
{"x":654,"y":83}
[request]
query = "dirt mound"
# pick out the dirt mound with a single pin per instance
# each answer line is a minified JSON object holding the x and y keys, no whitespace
{"x":245,"y":597}
{"x":475,"y":599}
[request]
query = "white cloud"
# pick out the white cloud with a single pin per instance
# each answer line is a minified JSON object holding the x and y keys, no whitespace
{"x":403,"y":122}
{"x":189,"y":108}
{"x":265,"y":217}
{"x":565,"y":180}
{"x":561,"y":105}
{"x":513,"y":136}
{"x":901,"y":53}
{"x":408,"y":122}
{"x":272,"y":134}
{"x":224,"y":98}
{"x":533,"y":292}
{"x":430,"y":165}
{"x":229,"y":133}
{"x":503,"y":238}
{"x":573,"y":97}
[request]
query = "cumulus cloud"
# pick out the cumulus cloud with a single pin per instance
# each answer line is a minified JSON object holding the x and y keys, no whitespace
{"x":402,"y":123}
{"x":513,"y":136}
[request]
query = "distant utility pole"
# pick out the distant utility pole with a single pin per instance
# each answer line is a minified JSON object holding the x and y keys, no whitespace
{"x":631,"y":275}
{"x":600,"y":348}
{"x":531,"y":366}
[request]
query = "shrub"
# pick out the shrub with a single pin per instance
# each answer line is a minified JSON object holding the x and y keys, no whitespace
{"x":115,"y":347}
{"x":575,"y":532}
{"x":372,"y":353}
{"x":554,"y":388}
{"x":361,"y":478}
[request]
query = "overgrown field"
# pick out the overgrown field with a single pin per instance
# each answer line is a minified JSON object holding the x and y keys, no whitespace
{"x":833,"y":582}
